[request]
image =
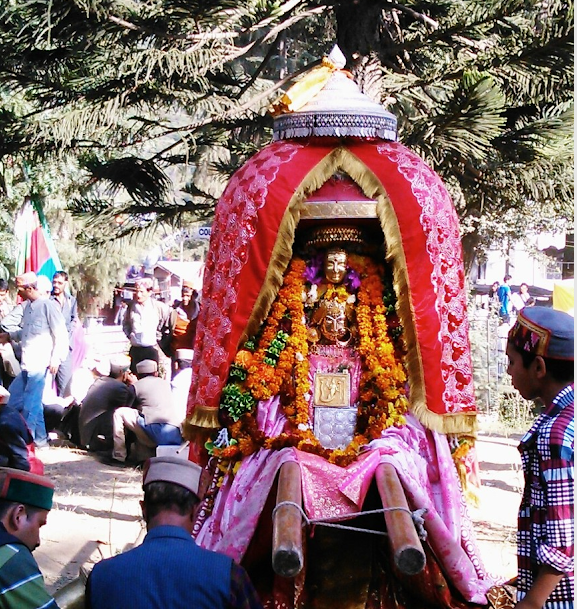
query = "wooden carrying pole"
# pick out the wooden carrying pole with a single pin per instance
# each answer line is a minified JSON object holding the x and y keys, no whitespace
{"x":408,"y":551}
{"x":287,"y":535}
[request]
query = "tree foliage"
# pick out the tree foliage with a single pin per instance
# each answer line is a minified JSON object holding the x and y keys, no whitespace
{"x":157,"y":102}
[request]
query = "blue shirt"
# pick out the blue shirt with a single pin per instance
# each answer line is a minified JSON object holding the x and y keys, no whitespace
{"x":167,"y":571}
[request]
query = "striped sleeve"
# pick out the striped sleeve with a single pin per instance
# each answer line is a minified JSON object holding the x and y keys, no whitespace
{"x":21,"y":583}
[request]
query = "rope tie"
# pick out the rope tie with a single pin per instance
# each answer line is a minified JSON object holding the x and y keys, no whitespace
{"x":417,"y":516}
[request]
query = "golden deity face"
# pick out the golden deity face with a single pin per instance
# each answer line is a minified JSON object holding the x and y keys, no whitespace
{"x":334,"y":326}
{"x":335,"y":265}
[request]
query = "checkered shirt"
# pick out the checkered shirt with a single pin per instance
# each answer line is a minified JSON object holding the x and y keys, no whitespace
{"x":546,"y":522}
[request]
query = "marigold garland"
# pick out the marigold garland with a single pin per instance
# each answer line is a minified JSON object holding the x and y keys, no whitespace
{"x":382,"y":401}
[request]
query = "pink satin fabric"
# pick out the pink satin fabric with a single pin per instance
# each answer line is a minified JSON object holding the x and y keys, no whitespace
{"x":425,"y":467}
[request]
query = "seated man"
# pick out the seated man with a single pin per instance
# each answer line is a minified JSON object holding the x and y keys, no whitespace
{"x":108,"y":392}
{"x":153,"y":419}
{"x":169,"y":569}
{"x":25,"y":500}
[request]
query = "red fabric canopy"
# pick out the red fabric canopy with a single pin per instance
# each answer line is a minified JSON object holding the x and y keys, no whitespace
{"x":245,"y":229}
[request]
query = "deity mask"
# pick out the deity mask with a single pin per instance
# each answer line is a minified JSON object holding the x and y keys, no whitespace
{"x":335,"y":265}
{"x":334,"y":326}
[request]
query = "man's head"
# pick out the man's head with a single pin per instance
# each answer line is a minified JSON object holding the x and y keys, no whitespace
{"x":25,"y":500}
{"x":170,"y":491}
{"x":26,"y":284}
{"x":540,"y":347}
{"x":44,"y":286}
{"x":507,"y":278}
{"x":119,"y":366}
{"x":188,"y":292}
{"x":143,"y":289}
{"x":59,"y":282}
{"x":147,"y":367}
{"x":184,"y":358}
{"x":3,"y":290}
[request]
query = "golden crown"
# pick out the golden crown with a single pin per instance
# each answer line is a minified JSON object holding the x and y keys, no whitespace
{"x":325,"y":236}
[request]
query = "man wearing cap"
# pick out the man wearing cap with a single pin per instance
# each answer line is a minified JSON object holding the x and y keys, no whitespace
{"x":44,"y":341}
{"x":108,"y":392}
{"x":169,"y":569}
{"x":154,"y":419}
{"x":540,"y":351}
{"x":185,"y":317}
{"x":146,"y":322}
{"x":25,"y":500}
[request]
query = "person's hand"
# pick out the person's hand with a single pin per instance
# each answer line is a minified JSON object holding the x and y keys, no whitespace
{"x":53,"y":367}
{"x":4,"y":338}
{"x":130,"y":378}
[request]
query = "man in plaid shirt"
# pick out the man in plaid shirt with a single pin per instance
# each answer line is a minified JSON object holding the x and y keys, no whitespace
{"x":540,"y":352}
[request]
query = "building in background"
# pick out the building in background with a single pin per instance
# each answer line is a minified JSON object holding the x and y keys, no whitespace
{"x":540,"y":261}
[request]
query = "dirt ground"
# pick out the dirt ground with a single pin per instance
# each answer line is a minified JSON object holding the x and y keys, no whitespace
{"x":97,"y":514}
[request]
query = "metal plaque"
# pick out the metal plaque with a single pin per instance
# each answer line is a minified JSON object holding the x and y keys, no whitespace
{"x":332,"y":390}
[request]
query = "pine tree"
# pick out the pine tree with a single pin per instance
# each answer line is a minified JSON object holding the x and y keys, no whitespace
{"x":158,"y":102}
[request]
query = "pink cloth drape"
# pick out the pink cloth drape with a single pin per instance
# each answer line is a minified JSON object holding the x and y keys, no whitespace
{"x":425,"y":467}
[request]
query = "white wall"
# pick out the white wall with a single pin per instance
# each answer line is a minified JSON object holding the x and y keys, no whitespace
{"x":524,"y":267}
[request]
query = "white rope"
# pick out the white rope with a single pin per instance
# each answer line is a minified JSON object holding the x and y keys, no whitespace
{"x":417,"y":517}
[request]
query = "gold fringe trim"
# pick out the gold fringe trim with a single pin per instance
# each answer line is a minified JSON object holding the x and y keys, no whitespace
{"x":374,"y":189}
{"x":203,"y":416}
{"x":342,"y":159}
{"x":283,"y":248}
{"x":280,"y":257}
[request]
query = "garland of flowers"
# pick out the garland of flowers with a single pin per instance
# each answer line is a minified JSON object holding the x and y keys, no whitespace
{"x":280,"y":365}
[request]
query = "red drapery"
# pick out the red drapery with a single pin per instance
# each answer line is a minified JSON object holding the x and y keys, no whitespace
{"x":244,"y":233}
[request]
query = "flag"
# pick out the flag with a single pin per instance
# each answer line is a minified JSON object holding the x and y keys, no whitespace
{"x":36,"y":251}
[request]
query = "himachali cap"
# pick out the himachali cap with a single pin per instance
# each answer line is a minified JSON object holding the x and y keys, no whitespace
{"x":119,"y":363}
{"x":29,"y":278}
{"x":23,"y":487}
{"x":146,"y":366}
{"x":172,"y":469}
{"x":545,"y":332}
{"x":185,"y":354}
{"x":43,"y":284}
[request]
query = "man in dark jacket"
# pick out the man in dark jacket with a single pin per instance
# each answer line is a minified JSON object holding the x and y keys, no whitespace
{"x":15,"y":437}
{"x":169,"y":569}
{"x":106,"y":394}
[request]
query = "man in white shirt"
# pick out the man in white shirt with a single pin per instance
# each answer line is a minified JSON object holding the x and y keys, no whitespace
{"x":147,"y":321}
{"x":181,"y":380}
{"x":44,"y":340}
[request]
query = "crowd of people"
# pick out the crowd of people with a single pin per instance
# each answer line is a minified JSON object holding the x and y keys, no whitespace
{"x":130,"y":407}
{"x":118,"y":408}
{"x":504,"y":302}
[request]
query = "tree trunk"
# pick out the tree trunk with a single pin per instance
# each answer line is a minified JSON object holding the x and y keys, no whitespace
{"x":469,"y":244}
{"x":358,"y":36}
